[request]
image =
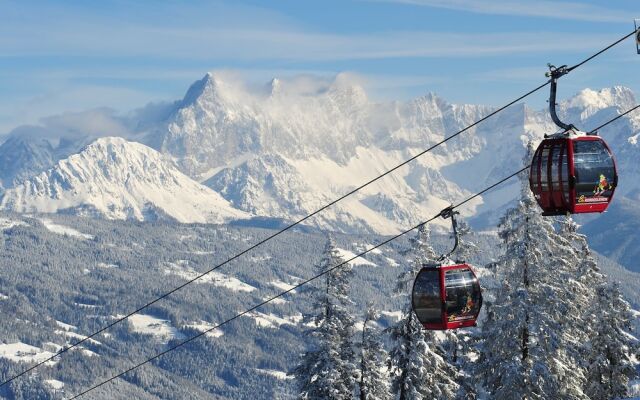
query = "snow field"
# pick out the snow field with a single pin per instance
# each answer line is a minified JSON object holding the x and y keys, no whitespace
{"x":202,"y":326}
{"x":6,"y":223}
{"x":65,"y":230}
{"x":277,"y":301}
{"x":21,"y":352}
{"x":54,"y":346}
{"x":54,"y":384}
{"x":275,"y":373}
{"x":271,"y":320}
{"x":360,"y":261}
{"x":282,"y":285}
{"x":82,"y":305}
{"x":107,"y":266}
{"x":360,"y":324}
{"x":372,"y":250}
{"x":202,"y":253}
{"x":159,"y":328}
{"x":77,"y":336}
{"x":66,"y":327}
{"x":214,"y":278}
{"x":392,"y":262}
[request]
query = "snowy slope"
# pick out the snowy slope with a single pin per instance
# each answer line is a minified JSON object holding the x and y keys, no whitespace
{"x":118,"y":179}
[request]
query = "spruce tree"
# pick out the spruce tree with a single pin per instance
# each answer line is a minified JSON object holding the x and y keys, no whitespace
{"x":610,"y":366}
{"x":606,"y":344}
{"x":418,"y":365}
{"x":529,"y":349}
{"x":374,"y":377}
{"x":327,"y":369}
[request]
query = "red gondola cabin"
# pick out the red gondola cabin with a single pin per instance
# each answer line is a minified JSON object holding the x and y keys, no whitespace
{"x":574,"y":174}
{"x":446,"y":297}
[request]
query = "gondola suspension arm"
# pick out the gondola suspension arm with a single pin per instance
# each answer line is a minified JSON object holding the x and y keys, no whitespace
{"x":449,"y":212}
{"x":555,"y":73}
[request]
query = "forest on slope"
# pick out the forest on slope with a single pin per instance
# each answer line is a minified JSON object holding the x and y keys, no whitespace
{"x":65,"y":277}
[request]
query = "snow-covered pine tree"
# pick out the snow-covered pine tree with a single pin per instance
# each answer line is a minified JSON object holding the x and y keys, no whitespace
{"x":327,"y":370}
{"x":374,"y":378}
{"x":588,"y":278}
{"x":583,"y":278}
{"x":610,"y":366}
{"x":419,"y":252}
{"x":528,"y":350}
{"x":605,"y":333}
{"x":420,"y":371}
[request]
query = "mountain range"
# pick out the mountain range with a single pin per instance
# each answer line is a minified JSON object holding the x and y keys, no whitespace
{"x":231,"y":151}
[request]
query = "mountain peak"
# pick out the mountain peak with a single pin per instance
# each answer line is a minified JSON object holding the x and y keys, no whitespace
{"x":603,"y":98}
{"x":109,"y":141}
{"x":118,"y":179}
{"x":209,"y":86}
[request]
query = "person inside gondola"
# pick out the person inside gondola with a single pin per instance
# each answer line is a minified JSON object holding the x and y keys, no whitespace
{"x":462,"y":297}
{"x":468,"y":308}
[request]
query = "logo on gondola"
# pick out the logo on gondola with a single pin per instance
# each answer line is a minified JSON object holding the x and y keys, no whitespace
{"x":602,"y":186}
{"x":596,"y":200}
{"x":581,"y":199}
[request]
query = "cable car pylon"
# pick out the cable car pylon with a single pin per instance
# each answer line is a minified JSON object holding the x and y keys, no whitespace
{"x":572,"y":171}
{"x":447,"y":294}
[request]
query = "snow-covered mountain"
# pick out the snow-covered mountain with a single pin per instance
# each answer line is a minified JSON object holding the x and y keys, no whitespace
{"x":220,"y":120}
{"x":117,"y":179}
{"x":291,"y":148}
{"x":286,"y":149}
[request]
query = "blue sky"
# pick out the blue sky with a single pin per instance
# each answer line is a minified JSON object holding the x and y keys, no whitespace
{"x":77,"y":55}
